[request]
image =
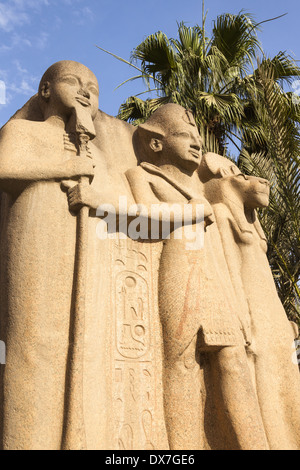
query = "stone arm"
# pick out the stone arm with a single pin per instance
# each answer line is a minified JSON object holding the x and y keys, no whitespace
{"x":20,"y":166}
{"x":231,"y":242}
{"x":144,"y":202}
{"x":147,"y":198}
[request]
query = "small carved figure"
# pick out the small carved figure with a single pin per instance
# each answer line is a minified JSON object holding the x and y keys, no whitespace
{"x":235,"y":198}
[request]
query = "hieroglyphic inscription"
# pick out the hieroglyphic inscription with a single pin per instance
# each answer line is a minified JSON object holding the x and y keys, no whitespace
{"x":134,"y":384}
{"x":132,"y":315}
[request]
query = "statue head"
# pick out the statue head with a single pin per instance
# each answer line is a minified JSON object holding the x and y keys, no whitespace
{"x":254,"y":192}
{"x":170,"y":136}
{"x":67,"y":86}
{"x":223,"y":178}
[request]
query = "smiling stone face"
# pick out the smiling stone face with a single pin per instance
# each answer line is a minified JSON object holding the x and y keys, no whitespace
{"x":172,"y":136}
{"x":67,"y":86}
{"x":183,"y":145}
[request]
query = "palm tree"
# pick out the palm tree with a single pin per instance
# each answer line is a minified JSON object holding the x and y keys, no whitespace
{"x":277,"y":159}
{"x":214,"y":77}
{"x":237,"y":97}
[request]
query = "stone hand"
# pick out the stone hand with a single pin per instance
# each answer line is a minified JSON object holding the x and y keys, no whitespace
{"x":81,"y":195}
{"x":77,"y":167}
{"x":208,"y":210}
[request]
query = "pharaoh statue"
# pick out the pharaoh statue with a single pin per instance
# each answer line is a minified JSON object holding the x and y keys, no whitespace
{"x":197,"y":312}
{"x":38,"y":162}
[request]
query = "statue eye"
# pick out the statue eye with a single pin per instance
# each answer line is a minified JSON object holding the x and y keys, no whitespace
{"x":241,"y":175}
{"x":185,"y":135}
{"x":94,"y":90}
{"x":70,"y":80}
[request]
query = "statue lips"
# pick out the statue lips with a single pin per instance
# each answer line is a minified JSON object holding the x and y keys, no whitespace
{"x":265,"y":190}
{"x":263,"y":197}
{"x":84,"y":101}
{"x":195,"y":154}
{"x":266,"y":193}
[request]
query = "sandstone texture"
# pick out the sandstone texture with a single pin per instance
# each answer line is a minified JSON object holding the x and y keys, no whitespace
{"x":137,"y":305}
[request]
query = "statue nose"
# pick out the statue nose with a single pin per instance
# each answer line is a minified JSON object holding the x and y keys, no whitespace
{"x":196,"y":144}
{"x":196,"y":147}
{"x":84,"y":93}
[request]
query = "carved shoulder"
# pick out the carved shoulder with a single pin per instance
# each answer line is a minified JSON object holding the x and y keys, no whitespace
{"x":222,"y":212}
{"x":139,"y":181}
{"x":19,"y":134}
{"x":136,"y":174}
{"x":15,"y":126}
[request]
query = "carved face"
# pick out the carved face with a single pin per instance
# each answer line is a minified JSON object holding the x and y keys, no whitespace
{"x":182,"y":146}
{"x":254,"y":191}
{"x":72,"y":86}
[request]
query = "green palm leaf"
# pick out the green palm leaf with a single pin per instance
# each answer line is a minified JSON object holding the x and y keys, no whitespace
{"x":239,"y":100}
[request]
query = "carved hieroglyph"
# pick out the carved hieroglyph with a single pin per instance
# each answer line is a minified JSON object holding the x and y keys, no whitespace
{"x":137,"y":386}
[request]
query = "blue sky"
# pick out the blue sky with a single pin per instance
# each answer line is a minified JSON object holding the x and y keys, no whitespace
{"x":36,"y":33}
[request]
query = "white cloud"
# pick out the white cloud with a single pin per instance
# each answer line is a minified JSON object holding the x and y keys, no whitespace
{"x":16,"y":40}
{"x":42,"y":41}
{"x":17,"y":13}
{"x":10,"y":17}
{"x":19,"y":67}
{"x":26,"y":88}
{"x":18,"y":81}
{"x":3,"y":75}
{"x":14,"y":13}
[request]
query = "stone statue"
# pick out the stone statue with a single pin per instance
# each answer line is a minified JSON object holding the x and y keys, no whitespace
{"x":38,"y":243}
{"x":134,"y":342}
{"x":196,"y":312}
{"x":270,"y":335}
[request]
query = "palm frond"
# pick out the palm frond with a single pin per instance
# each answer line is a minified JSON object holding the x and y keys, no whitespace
{"x":238,"y":97}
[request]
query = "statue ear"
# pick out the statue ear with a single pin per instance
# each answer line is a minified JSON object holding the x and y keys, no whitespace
{"x":45,"y":91}
{"x":156,"y":145}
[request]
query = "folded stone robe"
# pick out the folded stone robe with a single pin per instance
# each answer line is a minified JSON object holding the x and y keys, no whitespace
{"x":193,"y":297}
{"x":38,"y":236}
